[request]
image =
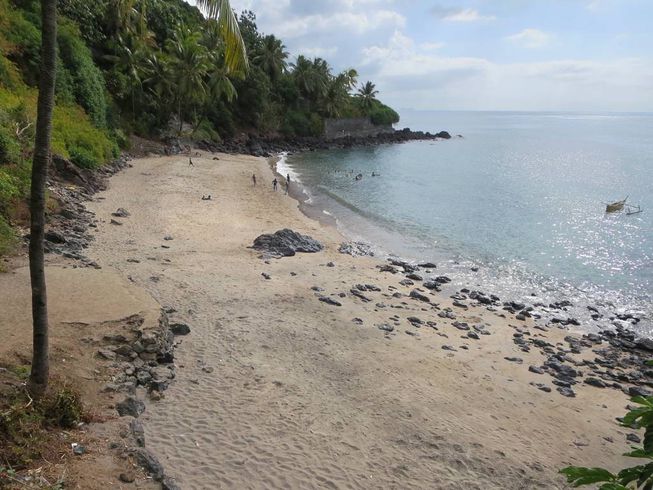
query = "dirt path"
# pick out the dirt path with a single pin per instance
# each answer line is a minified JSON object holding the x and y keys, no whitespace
{"x":276,"y":389}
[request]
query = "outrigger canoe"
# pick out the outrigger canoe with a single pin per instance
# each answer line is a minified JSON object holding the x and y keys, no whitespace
{"x":615,"y":206}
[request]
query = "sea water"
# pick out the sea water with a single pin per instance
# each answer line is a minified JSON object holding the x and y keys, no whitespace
{"x":515,"y":207}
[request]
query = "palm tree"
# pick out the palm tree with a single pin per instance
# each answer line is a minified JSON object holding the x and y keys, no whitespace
{"x":367,"y":95}
{"x":189,"y":63}
{"x":271,"y":57}
{"x":38,"y":380}
{"x":235,"y":55}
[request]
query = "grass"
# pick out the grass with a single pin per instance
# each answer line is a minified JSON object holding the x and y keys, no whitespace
{"x":29,"y":429}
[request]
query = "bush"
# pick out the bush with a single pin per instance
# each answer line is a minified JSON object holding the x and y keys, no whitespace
{"x":24,"y":39}
{"x":382,"y":115}
{"x":83,"y":158}
{"x":9,"y":147}
{"x":88,"y":82}
{"x":7,"y":237}
{"x":300,"y":123}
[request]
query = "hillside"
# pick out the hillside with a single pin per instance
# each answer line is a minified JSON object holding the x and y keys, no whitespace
{"x":154,"y":68}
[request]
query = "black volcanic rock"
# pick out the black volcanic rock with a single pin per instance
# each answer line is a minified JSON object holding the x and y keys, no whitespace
{"x":285,"y":243}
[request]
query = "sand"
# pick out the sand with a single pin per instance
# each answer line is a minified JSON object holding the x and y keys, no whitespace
{"x":276,"y":389}
{"x":84,"y":304}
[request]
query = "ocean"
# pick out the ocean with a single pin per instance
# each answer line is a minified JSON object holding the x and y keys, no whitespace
{"x":514,"y":207}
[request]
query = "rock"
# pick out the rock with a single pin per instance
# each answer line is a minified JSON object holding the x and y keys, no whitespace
{"x":644,"y":343}
{"x":130,"y":406}
{"x":427,"y":265}
{"x":266,"y":275}
{"x":107,"y":354}
{"x":121,"y":213}
{"x":633,"y":438}
{"x":136,"y":428}
{"x":207,"y":369}
{"x":54,"y":237}
{"x":536,"y":370}
{"x":388,"y":268}
{"x":285,"y":243}
{"x":518,"y":360}
{"x":638,"y":391}
{"x":329,"y":301}
{"x":566,"y":391}
{"x":415,"y":294}
{"x":169,"y":484}
{"x":385,"y":327}
{"x":473,"y":335}
{"x":406,"y":282}
{"x":330,"y":264}
{"x":443,"y":134}
{"x":78,"y":449}
{"x":414,"y":320}
{"x":357,"y":321}
{"x":127,"y":477}
{"x":414,"y":276}
{"x":432,"y":284}
{"x":168,"y":238}
{"x":114,"y":222}
{"x":179,"y":328}
{"x":148,"y":462}
{"x":595,"y":382}
{"x":356,"y":249}
{"x":360,"y":295}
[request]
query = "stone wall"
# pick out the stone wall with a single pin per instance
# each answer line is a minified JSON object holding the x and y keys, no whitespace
{"x":354,"y":127}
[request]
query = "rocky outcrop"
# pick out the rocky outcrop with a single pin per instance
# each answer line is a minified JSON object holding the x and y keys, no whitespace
{"x":286,"y":243}
{"x":265,"y":147}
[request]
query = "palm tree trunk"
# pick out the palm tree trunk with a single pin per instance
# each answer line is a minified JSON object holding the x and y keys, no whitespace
{"x":38,"y":380}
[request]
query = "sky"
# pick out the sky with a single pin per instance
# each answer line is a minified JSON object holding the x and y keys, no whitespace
{"x":530,"y":55}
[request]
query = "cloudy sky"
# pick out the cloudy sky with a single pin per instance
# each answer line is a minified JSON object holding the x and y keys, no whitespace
{"x":576,"y":55}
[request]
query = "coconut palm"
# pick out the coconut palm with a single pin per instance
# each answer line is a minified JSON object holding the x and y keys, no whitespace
{"x":271,"y":57}
{"x":235,"y":55}
{"x":189,"y":66}
{"x":38,"y":380}
{"x":367,"y":95}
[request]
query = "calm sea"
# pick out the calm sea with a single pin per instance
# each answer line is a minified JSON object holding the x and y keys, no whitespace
{"x":520,"y":197}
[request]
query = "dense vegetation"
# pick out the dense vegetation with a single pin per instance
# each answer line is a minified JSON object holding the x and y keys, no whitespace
{"x":154,"y":67}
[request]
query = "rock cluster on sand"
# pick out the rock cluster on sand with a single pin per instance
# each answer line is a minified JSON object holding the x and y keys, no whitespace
{"x":285,"y":243}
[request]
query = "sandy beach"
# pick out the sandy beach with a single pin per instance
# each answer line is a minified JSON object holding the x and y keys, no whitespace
{"x":276,"y":389}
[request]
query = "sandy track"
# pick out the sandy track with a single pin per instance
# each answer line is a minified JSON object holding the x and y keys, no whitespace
{"x":278,"y":390}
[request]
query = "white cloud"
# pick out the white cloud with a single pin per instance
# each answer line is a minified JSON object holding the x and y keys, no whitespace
{"x":408,"y":77}
{"x":531,"y":38}
{"x":460,"y":14}
{"x":431,"y":46}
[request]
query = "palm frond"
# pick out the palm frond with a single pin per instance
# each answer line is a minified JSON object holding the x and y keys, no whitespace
{"x":235,"y":55}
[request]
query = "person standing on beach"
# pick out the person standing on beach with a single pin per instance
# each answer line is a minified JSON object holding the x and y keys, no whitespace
{"x":254,"y":179}
{"x":288,"y":179}
{"x":274,"y":184}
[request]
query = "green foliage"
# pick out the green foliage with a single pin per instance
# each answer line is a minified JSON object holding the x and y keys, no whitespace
{"x":9,"y":147}
{"x":382,"y":115}
{"x":88,"y":82}
{"x":302,"y":123}
{"x":640,"y":476}
{"x":24,"y":43}
{"x":8,"y":239}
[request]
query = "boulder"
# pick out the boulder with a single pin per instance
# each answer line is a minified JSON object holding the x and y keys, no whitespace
{"x":285,"y":243}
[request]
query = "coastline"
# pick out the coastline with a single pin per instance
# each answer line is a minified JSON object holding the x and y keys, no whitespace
{"x":275,"y":387}
{"x":253,"y":343}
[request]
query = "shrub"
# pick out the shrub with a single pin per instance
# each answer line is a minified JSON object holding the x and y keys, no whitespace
{"x":8,"y":239}
{"x":382,"y":115}
{"x":83,"y":158}
{"x":9,"y":147}
{"x":88,"y":82}
{"x":300,"y":123}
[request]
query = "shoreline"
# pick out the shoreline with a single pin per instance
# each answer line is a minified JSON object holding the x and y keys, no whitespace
{"x":292,"y":310}
{"x":276,"y":385}
{"x":596,"y":312}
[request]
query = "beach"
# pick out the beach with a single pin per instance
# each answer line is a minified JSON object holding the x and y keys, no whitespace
{"x":276,"y":388}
